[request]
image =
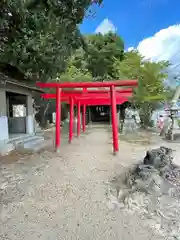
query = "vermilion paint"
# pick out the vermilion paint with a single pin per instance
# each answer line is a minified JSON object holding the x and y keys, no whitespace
{"x":84,"y":118}
{"x":71,"y":119}
{"x":117,"y":83}
{"x":78,"y":118}
{"x":114,"y":119}
{"x":76,"y":93}
{"x":88,"y":98}
{"x":84,"y":112}
{"x":58,"y":118}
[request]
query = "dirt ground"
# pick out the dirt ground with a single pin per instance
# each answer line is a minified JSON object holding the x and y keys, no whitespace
{"x":65,"y":195}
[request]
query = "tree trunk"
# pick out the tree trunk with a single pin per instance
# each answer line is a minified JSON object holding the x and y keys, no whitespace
{"x":145,"y":115}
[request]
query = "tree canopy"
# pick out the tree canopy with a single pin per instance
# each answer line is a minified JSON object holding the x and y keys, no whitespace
{"x":102,"y":52}
{"x":42,"y":38}
{"x":104,"y":59}
{"x":38,"y":36}
{"x":151,"y":77}
{"x":96,"y":60}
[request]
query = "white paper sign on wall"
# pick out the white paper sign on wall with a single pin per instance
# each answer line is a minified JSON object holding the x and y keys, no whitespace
{"x":4,"y":128}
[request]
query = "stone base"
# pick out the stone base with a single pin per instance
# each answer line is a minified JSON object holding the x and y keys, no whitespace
{"x":129,"y":126}
{"x":6,"y":148}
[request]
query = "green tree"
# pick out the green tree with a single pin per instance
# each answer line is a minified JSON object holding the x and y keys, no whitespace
{"x":38,"y":36}
{"x":97,"y":57}
{"x":76,"y":70}
{"x":151,"y":88}
{"x":101,"y":53}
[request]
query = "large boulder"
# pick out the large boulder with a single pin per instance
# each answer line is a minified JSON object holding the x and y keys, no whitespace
{"x":145,"y":178}
{"x":159,"y":157}
{"x":149,"y":176}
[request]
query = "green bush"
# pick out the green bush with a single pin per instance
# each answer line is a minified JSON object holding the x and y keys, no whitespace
{"x":178,"y":122}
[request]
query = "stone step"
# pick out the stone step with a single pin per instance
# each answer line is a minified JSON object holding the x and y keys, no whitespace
{"x":25,"y":139}
{"x":27,"y":142}
{"x":32,"y":142}
{"x":20,"y":139}
{"x":33,"y":146}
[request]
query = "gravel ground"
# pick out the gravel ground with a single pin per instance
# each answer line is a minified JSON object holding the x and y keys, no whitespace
{"x":66,"y":195}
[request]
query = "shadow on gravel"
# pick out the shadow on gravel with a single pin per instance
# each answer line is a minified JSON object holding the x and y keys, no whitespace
{"x":152,"y":190}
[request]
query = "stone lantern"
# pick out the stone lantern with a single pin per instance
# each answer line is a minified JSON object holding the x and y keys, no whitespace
{"x":173,"y":113}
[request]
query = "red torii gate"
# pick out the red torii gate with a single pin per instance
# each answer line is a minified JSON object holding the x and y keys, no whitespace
{"x":84,"y":101}
{"x":86,"y":97}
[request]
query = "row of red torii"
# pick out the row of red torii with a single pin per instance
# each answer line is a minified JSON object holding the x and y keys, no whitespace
{"x":85,"y":97}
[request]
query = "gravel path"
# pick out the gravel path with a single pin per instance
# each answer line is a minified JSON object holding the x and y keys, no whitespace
{"x":62,"y":196}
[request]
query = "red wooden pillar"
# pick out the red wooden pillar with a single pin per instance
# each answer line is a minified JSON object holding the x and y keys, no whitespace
{"x":78,"y":118}
{"x":114,"y":120}
{"x":58,"y":118}
{"x":71,"y":120}
{"x":84,"y":114}
{"x":84,"y":118}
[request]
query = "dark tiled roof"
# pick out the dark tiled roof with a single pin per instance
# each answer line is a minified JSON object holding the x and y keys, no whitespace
{"x":11,"y":74}
{"x":25,"y":84}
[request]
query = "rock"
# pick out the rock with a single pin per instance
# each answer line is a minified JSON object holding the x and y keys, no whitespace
{"x":146,"y":179}
{"x":150,"y":177}
{"x":152,"y":189}
{"x":158,"y":157}
{"x":145,"y":171}
{"x":155,"y":176}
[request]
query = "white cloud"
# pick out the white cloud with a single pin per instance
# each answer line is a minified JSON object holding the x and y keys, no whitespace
{"x":164,"y":45}
{"x":130,"y":49}
{"x":105,"y":26}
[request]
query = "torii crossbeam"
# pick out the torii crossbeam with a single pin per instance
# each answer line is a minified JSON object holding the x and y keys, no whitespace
{"x":88,"y":97}
{"x":86,"y":101}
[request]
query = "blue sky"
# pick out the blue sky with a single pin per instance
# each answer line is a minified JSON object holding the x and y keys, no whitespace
{"x":135,"y":19}
{"x":151,"y":26}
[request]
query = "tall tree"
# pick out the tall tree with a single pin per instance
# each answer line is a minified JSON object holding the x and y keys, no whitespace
{"x":38,"y":35}
{"x":76,"y":70}
{"x":101,"y":53}
{"x":151,"y":88}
